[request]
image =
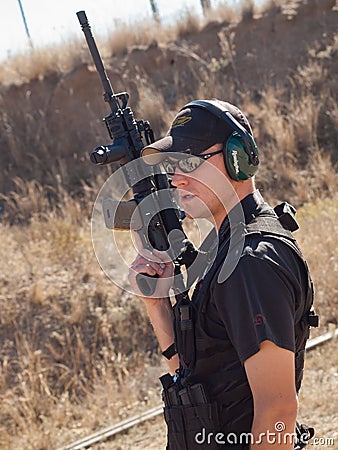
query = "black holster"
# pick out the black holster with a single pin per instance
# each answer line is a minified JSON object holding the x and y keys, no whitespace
{"x":184,"y":326}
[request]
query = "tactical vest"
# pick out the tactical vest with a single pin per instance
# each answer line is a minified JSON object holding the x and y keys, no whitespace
{"x":188,"y":406}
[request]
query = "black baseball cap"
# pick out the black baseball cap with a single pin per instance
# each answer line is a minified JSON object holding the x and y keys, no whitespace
{"x":195,"y":129}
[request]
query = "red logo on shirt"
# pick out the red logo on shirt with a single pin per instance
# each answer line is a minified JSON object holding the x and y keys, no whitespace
{"x":259,"y":319}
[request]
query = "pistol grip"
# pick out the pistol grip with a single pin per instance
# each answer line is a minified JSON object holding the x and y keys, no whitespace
{"x":146,"y":283}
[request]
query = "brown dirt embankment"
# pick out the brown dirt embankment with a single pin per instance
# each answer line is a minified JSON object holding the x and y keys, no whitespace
{"x":49,"y":125}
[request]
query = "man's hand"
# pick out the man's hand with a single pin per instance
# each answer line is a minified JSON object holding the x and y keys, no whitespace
{"x":158,"y":305}
{"x":152,"y":263}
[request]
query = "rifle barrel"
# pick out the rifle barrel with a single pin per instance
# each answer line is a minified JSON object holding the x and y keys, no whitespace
{"x":109,"y":93}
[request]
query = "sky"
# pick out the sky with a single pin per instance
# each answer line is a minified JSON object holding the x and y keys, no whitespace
{"x":52,"y":21}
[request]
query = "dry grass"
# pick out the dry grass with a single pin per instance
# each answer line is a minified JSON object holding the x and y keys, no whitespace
{"x":317,"y":220}
{"x":62,"y":58}
{"x":40,"y":62}
{"x":298,"y":149}
{"x":64,"y":326}
{"x":296,"y":157}
{"x":295,"y":121}
{"x":74,"y":345}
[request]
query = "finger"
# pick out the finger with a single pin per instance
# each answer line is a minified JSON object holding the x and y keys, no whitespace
{"x":154,"y":255}
{"x":149,"y":268}
{"x":140,"y":260}
{"x":144,"y":268}
{"x":145,"y":252}
{"x":162,"y":256}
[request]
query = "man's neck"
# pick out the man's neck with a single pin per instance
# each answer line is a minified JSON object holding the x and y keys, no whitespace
{"x":241,"y":190}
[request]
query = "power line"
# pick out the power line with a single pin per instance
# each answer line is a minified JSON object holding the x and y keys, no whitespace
{"x":25,"y":24}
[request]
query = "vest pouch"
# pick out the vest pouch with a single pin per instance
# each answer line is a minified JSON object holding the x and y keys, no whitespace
{"x":192,"y":421}
{"x":192,"y":427}
{"x":176,"y":439}
{"x":172,"y":414}
{"x":201,"y":426}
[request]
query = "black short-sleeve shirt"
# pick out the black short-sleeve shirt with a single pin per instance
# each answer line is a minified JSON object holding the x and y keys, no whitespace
{"x":259,"y":301}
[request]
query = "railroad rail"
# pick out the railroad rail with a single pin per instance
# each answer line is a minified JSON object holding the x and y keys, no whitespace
{"x":106,"y":433}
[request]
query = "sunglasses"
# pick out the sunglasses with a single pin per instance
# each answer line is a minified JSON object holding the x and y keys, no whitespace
{"x":187,"y":165}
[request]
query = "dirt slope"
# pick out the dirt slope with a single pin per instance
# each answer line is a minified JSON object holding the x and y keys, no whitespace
{"x":48,"y":126}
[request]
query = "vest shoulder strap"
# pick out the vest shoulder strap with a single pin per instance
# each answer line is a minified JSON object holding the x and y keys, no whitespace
{"x":270,"y":226}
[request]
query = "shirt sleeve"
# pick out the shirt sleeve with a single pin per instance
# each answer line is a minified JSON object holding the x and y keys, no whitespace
{"x":256,"y":303}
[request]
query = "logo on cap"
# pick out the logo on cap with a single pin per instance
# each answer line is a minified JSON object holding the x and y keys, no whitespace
{"x":181,"y":120}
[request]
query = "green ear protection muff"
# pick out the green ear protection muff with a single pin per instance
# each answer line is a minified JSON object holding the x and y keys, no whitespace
{"x":240,"y":151}
{"x":237,"y":161}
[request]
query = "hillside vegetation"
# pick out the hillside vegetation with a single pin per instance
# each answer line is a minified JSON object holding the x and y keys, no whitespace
{"x":279,"y":67}
{"x":76,"y":352}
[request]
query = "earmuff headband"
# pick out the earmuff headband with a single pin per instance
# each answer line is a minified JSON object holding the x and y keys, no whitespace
{"x":221,"y":112}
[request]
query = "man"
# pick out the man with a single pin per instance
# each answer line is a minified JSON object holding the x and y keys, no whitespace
{"x":241,"y":341}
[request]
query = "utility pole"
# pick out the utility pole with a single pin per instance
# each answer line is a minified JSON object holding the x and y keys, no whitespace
{"x":206,"y":5}
{"x":25,"y":24}
{"x":155,"y":10}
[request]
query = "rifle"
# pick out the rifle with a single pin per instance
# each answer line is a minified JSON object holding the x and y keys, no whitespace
{"x":153,"y":212}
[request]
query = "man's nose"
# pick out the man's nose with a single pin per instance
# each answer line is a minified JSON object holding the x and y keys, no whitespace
{"x":178,"y":179}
